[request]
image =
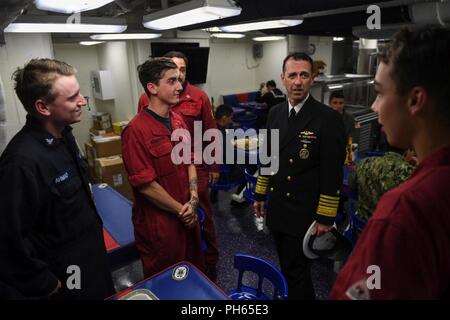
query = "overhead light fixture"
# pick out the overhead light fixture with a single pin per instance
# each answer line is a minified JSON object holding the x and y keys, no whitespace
{"x":212,"y":29}
{"x":90,"y":43}
{"x":269,"y":38}
{"x":59,"y":24}
{"x":70,"y":6}
{"x":228,"y":35}
{"x":271,"y":24}
{"x":338,"y":39}
{"x":125,"y":36}
{"x":61,"y":28}
{"x":195,"y":11}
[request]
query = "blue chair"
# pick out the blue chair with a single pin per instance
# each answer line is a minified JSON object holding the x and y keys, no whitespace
{"x":225,"y":182}
{"x":238,"y":113}
{"x":264,"y":270}
{"x":356,"y":223}
{"x":247,"y":121}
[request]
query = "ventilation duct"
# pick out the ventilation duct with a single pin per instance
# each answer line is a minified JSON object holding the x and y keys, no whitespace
{"x":427,"y":13}
{"x":437,"y":13}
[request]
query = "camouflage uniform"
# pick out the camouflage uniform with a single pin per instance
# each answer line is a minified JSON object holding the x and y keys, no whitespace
{"x":376,"y":175}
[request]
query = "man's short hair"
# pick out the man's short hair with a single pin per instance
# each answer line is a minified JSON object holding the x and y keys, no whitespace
{"x":224,"y":110}
{"x":419,"y":58}
{"x":35,"y":81}
{"x":152,"y":71}
{"x":271,"y":83}
{"x":298,"y":56}
{"x":336,"y":94}
{"x":177,"y":54}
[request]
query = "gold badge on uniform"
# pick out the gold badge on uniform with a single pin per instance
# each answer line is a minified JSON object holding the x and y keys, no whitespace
{"x":304,"y":153}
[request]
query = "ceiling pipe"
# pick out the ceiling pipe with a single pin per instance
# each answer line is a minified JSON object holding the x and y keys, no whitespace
{"x":263,"y":9}
{"x":360,"y":8}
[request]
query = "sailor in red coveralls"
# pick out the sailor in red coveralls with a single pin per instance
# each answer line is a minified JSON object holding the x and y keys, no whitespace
{"x":193,"y":106}
{"x":165,"y":223}
{"x":404,"y":251}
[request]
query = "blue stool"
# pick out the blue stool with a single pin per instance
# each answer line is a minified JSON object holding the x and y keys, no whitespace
{"x":264,"y":270}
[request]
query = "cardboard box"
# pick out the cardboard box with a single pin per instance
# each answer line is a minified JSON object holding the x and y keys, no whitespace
{"x":96,"y":132}
{"x":111,"y":170}
{"x":101,"y":121}
{"x":119,"y":126}
{"x":106,"y":146}
{"x":90,"y":157}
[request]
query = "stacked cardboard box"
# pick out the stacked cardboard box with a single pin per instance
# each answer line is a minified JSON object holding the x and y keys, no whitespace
{"x":106,"y":145}
{"x":102,"y":121}
{"x":97,"y":132}
{"x":103,"y":155}
{"x":111,"y":170}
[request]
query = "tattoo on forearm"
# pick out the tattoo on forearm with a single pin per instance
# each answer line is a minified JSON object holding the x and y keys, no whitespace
{"x":193,"y":184}
{"x":194,"y":202}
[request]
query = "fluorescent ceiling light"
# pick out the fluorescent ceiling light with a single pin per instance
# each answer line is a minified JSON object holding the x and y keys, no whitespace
{"x":338,"y":39}
{"x":334,"y":87}
{"x":70,"y":6}
{"x":62,"y":28}
{"x":61,"y":24}
{"x":125,"y":36}
{"x":213,"y":29}
{"x":269,"y":38}
{"x":272,"y":24}
{"x":195,"y":11}
{"x":228,"y":35}
{"x":90,"y":43}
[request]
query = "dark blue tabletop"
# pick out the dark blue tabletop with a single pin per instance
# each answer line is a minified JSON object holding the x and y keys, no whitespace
{"x":182,"y":281}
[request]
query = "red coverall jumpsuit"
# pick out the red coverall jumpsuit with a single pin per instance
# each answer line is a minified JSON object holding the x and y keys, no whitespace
{"x":161,"y":237}
{"x":194,"y":105}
